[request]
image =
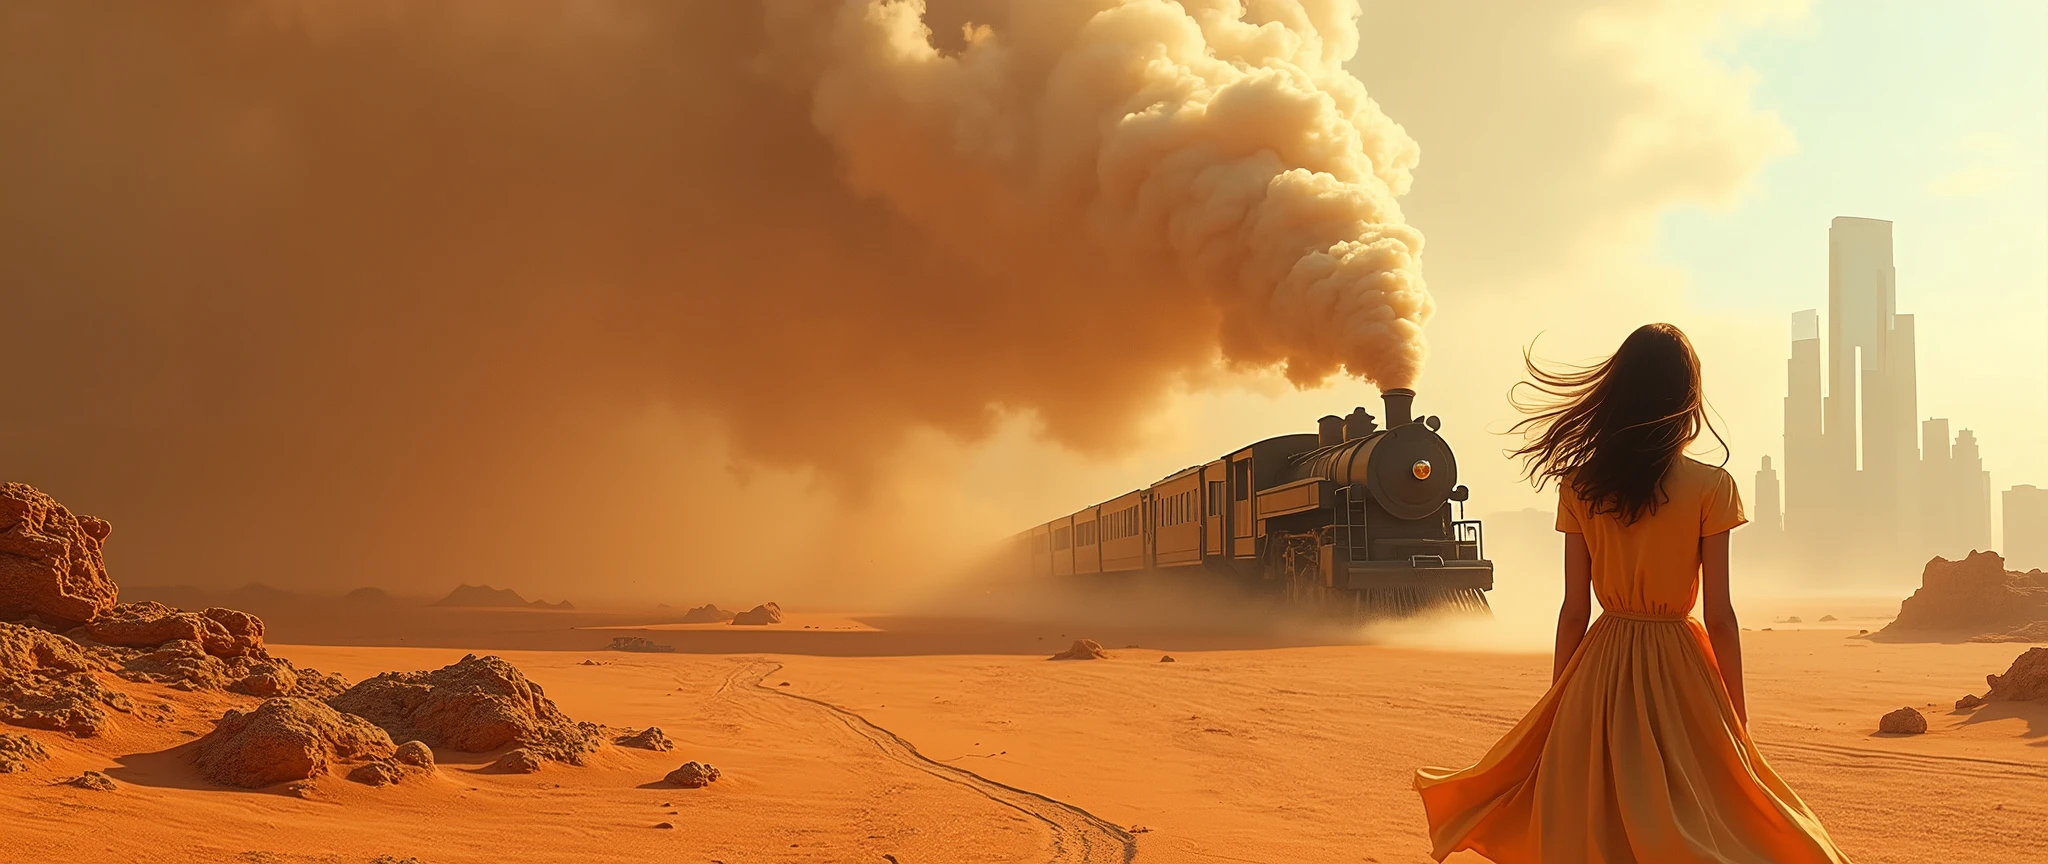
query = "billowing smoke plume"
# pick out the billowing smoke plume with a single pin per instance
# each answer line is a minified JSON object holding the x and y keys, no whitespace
{"x":394,"y":292}
{"x":1174,"y":153}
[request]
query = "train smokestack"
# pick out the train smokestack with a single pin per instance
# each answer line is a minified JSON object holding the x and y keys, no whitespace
{"x":1329,"y":431}
{"x":1400,"y":406}
{"x":1358,"y":425}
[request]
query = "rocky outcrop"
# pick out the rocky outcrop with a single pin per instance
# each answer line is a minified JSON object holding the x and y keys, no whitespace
{"x":650,"y":738}
{"x":20,"y":752}
{"x":223,"y":633}
{"x":47,"y":682}
{"x":218,"y":649}
{"x":1904,"y":721}
{"x":766,"y":613}
{"x":287,"y":739}
{"x":1082,"y":649}
{"x":693,"y":775}
{"x":1974,"y":597}
{"x":476,"y":705}
{"x":51,"y":566}
{"x":2025,"y":681}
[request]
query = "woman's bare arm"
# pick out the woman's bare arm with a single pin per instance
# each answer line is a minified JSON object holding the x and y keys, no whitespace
{"x":1723,"y":631}
{"x":1578,"y":603}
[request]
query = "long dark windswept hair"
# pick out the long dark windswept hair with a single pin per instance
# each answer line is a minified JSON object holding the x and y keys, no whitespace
{"x":1611,"y":430}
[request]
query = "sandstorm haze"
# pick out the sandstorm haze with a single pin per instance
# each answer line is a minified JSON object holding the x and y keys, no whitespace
{"x":639,"y":297}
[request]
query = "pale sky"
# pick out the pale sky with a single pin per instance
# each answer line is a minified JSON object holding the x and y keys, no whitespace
{"x":1934,"y":118}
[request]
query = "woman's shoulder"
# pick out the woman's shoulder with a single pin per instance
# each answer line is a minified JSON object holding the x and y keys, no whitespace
{"x":1693,"y":475}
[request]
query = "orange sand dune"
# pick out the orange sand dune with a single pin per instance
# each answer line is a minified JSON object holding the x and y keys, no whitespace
{"x":1280,"y":755}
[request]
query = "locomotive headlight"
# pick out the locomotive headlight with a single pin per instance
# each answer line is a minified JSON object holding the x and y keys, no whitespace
{"x":1420,"y":469}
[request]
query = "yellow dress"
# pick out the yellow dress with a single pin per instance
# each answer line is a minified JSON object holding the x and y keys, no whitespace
{"x":1635,"y":754}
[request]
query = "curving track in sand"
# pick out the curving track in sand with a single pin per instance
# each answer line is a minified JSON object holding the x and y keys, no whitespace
{"x":1078,"y":836}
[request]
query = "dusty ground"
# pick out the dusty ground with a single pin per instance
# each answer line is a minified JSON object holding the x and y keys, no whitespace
{"x":1275,"y":755}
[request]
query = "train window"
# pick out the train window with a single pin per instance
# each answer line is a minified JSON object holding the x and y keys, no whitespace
{"x":1241,"y":477}
{"x":1215,"y":497}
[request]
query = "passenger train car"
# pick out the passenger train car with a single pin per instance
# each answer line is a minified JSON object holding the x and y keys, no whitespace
{"x":1353,"y":519}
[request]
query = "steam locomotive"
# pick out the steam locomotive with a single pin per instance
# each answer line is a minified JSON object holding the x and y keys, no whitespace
{"x":1354,"y":520}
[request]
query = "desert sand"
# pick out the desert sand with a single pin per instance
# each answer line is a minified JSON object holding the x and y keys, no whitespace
{"x":1277,"y":754}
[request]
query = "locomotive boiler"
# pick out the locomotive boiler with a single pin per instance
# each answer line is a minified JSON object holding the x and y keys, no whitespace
{"x":1355,"y":519}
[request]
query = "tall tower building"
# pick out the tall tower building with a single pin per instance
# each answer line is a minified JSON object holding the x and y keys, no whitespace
{"x":1808,"y":475}
{"x":1937,"y":477}
{"x":1869,"y":449}
{"x":1767,"y":516}
{"x":1973,"y":494}
{"x":2026,"y":528}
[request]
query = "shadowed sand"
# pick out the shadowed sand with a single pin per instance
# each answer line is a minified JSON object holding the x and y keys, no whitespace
{"x":1283,"y":754}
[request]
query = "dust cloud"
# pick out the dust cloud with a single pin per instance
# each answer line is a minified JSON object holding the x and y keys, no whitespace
{"x":634,"y":298}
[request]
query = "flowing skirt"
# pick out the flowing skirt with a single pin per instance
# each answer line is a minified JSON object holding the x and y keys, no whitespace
{"x":1634,"y":755}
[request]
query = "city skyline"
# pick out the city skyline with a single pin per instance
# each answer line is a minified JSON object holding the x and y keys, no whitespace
{"x":1866,"y":480}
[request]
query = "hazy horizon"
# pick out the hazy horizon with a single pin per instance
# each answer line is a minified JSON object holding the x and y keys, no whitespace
{"x":602,"y":301}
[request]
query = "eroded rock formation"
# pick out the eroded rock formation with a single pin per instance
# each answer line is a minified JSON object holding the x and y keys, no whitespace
{"x":50,"y":561}
{"x":1975,"y":597}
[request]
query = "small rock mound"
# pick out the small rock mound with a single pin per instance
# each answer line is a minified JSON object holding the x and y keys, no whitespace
{"x":1968,"y":702}
{"x":693,"y":775}
{"x":1082,"y":649}
{"x":1167,"y":658}
{"x":1904,"y":721}
{"x":284,"y":739}
{"x":707,"y":614}
{"x":650,"y":738}
{"x":51,"y":565}
{"x":19,"y":752}
{"x":766,"y":613}
{"x":414,"y":753}
{"x":518,"y":760}
{"x":638,"y":644}
{"x":476,"y":705}
{"x":93,"y":780}
{"x":2026,"y":680}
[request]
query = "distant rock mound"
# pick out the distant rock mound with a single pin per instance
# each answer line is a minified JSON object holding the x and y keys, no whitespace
{"x":1904,"y":721}
{"x":287,"y":739}
{"x":486,"y":597}
{"x":476,"y":705}
{"x":51,"y":566}
{"x":1082,"y":649}
{"x":368,"y":597}
{"x":710,"y":614}
{"x":766,"y":613}
{"x":482,"y":596}
{"x":1975,"y":597}
{"x":638,"y":644}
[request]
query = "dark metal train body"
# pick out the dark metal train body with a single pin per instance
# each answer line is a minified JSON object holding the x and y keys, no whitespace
{"x":1355,"y":519}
